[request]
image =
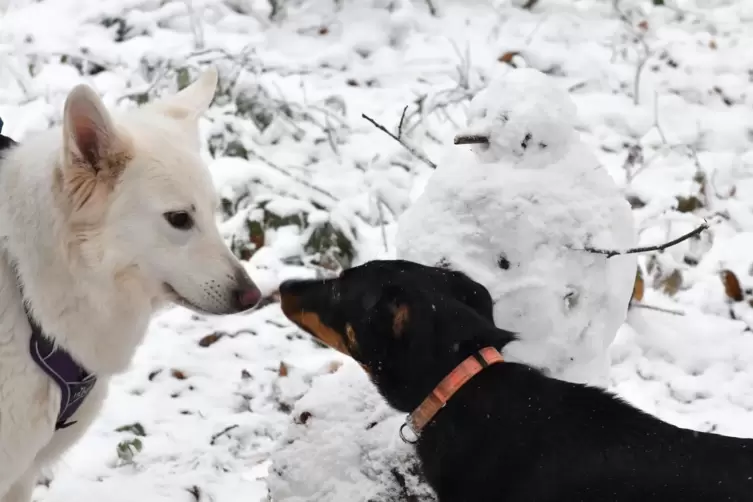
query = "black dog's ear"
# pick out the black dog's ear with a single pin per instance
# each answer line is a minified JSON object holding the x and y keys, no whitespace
{"x":370,"y":299}
{"x":472,"y":294}
{"x":495,"y":337}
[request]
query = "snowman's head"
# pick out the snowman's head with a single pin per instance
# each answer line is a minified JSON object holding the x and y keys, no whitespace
{"x":524,"y":117}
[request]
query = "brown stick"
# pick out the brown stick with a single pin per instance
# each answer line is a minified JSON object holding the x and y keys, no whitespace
{"x":659,"y":247}
{"x":471,"y":140}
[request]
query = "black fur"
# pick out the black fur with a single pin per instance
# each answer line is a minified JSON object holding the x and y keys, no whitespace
{"x":510,"y":434}
{"x":6,"y":142}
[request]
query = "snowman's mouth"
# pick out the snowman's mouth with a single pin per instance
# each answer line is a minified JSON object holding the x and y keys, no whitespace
{"x":471,"y":139}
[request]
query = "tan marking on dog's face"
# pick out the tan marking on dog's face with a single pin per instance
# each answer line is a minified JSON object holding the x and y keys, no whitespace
{"x":351,"y":336}
{"x":312,"y":323}
{"x":401,"y":315}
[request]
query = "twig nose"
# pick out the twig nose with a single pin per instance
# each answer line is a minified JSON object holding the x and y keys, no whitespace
{"x":471,"y":139}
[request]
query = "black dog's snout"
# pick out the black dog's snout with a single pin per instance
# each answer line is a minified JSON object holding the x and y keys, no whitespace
{"x":296,"y":296}
{"x":292,"y":287}
{"x":308,"y":294}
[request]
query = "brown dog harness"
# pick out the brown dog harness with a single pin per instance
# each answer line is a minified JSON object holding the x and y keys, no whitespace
{"x":449,"y":385}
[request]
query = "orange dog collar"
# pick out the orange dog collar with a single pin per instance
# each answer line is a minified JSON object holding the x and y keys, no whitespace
{"x":449,"y":385}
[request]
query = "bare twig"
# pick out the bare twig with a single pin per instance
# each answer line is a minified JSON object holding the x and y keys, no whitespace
{"x":412,"y":150}
{"x":432,"y":7}
{"x":148,"y":90}
{"x":658,"y":126}
{"x":223,"y":432}
{"x":295,"y":178}
{"x":658,"y":309}
{"x":660,"y":247}
{"x":195,"y":493}
{"x":400,"y":125}
{"x":196,"y":27}
{"x":382,"y":223}
{"x":643,"y":55}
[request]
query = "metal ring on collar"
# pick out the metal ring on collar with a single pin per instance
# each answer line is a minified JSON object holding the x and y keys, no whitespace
{"x":406,"y":425}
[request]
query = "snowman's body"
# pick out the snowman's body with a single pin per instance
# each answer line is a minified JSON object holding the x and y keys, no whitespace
{"x":517,"y":214}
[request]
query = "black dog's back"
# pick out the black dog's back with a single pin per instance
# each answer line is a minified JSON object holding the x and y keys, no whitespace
{"x":5,"y":141}
{"x":513,"y":434}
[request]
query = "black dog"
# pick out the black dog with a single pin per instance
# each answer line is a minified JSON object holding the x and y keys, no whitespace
{"x":510,"y":433}
{"x":5,"y":141}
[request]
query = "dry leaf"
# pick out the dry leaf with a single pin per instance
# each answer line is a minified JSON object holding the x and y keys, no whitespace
{"x":712,"y":44}
{"x":671,"y":284}
{"x":507,"y":57}
{"x":304,"y":417}
{"x":688,"y":204}
{"x":643,"y":25}
{"x":283,"y":371}
{"x":731,"y":286}
{"x":210,"y":339}
{"x":178,"y":374}
{"x":638,"y":287}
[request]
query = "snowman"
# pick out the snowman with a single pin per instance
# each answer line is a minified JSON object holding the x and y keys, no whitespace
{"x":521,"y":210}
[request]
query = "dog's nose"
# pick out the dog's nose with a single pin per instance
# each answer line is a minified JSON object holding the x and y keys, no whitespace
{"x":248,"y":298}
{"x":247,"y":295}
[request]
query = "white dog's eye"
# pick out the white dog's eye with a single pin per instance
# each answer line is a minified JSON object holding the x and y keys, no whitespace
{"x":179,"y":219}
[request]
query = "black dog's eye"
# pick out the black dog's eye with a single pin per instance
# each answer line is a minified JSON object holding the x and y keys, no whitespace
{"x":179,"y":219}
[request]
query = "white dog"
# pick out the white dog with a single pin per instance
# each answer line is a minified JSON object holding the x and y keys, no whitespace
{"x":102,"y":222}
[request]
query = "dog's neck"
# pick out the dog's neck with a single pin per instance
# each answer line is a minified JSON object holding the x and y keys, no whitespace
{"x":98,"y":314}
{"x":428,"y":370}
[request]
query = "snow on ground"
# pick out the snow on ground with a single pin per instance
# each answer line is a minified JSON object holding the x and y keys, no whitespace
{"x":664,"y":95}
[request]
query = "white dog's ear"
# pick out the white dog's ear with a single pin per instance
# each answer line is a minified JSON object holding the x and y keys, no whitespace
{"x":95,"y":152}
{"x":90,"y":135}
{"x":194,"y":100}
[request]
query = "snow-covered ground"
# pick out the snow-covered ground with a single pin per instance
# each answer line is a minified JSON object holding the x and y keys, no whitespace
{"x":213,"y":408}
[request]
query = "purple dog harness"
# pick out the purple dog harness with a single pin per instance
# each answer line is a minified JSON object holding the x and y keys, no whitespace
{"x":74,"y":381}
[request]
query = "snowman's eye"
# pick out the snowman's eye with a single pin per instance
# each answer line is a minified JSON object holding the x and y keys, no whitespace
{"x":526,"y":139}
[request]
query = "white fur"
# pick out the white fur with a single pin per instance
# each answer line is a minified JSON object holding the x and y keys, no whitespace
{"x":94,"y":273}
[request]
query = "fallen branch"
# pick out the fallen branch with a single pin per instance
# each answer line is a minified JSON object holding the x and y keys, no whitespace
{"x":412,"y":150}
{"x":658,"y":309}
{"x":223,"y":432}
{"x":660,"y":247}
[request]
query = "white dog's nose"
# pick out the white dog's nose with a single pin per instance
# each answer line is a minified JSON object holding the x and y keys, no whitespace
{"x":246,"y":294}
{"x":248,"y":298}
